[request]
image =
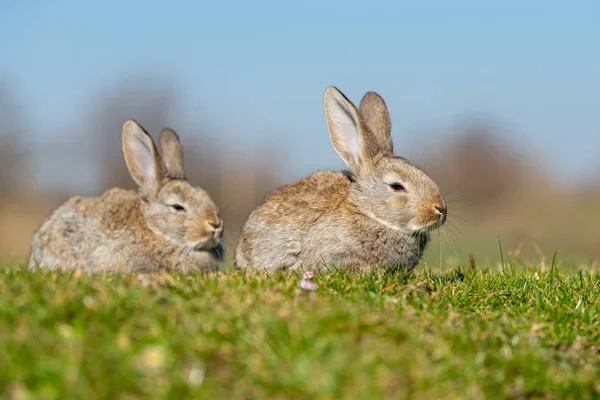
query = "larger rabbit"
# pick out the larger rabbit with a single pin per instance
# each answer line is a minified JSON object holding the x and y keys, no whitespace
{"x":169,"y":224}
{"x":377,"y":215}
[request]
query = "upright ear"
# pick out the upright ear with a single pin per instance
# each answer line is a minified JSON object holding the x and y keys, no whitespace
{"x":172,"y":153}
{"x":376,"y":117}
{"x":141,"y":156}
{"x":345,"y":129}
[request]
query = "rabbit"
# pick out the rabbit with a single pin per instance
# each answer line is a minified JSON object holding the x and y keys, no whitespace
{"x":379,"y":214}
{"x":168,"y":225}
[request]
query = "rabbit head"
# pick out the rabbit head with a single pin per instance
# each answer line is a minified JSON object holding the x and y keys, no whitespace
{"x":385,"y":187}
{"x":171,"y":206}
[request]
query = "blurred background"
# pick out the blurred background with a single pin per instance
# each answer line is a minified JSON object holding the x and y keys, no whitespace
{"x":498,"y":102}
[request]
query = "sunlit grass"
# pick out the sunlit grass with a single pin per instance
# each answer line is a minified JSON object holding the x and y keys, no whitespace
{"x":460,"y":333}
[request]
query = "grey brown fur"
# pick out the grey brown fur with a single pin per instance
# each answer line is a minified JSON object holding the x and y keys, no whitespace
{"x":136,"y":232}
{"x":379,"y":215}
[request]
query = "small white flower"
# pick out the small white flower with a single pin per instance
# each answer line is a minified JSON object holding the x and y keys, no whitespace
{"x":153,"y":358}
{"x":309,"y":274}
{"x":195,"y":376}
{"x":88,"y":302}
{"x":66,"y":331}
{"x":308,"y":285}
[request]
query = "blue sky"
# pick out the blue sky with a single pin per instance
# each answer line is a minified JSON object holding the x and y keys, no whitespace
{"x":261,"y":67}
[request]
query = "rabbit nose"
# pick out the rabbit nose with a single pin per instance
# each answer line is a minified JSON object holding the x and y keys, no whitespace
{"x":215,"y":225}
{"x":442,"y":211}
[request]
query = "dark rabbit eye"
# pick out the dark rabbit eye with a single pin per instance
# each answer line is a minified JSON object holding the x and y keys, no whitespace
{"x":177,"y":207}
{"x":398,"y":187}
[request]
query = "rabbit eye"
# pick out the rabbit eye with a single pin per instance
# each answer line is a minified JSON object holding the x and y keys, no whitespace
{"x":398,"y":187}
{"x":177,"y":207}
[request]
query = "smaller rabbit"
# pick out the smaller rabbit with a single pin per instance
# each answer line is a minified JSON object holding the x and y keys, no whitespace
{"x":169,"y":224}
{"x":377,"y":215}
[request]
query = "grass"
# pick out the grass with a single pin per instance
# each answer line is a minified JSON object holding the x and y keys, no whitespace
{"x":425,"y":335}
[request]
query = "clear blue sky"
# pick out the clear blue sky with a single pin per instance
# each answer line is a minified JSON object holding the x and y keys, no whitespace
{"x":263,"y":66}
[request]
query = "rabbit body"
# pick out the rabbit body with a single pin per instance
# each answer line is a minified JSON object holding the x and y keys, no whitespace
{"x":293,"y":229}
{"x":109,"y":233}
{"x":136,"y":232}
{"x":379,"y":214}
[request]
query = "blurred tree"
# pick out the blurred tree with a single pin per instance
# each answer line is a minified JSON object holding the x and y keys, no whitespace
{"x":13,"y":154}
{"x":148,"y":101}
{"x":481,"y":166}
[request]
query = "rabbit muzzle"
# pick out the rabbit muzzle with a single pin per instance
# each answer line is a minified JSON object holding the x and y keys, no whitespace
{"x":205,"y":234}
{"x":432,"y":214}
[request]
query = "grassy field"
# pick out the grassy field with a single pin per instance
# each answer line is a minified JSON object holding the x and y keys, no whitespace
{"x":426,"y":335}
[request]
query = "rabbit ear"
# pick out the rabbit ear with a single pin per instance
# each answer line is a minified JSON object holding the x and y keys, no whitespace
{"x":141,"y":156}
{"x":346,"y":130}
{"x":376,"y":117}
{"x":172,"y":153}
